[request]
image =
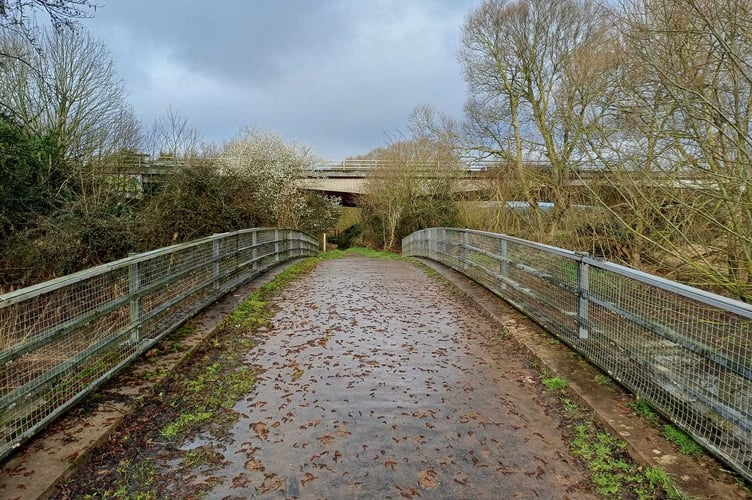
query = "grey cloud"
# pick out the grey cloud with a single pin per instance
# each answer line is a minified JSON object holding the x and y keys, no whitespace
{"x":338,"y":75}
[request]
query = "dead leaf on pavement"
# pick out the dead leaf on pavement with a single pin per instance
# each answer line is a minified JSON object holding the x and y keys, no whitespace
{"x":254,"y":465}
{"x":428,"y":479}
{"x":325,"y":439}
{"x":307,"y":478}
{"x":261,"y":429}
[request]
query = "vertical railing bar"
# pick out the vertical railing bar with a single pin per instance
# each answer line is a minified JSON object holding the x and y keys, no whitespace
{"x":134,"y":284}
{"x":276,"y":245}
{"x":465,"y":250}
{"x":216,"y":257}
{"x":503,"y":261}
{"x":583,"y":297}
{"x":254,"y":250}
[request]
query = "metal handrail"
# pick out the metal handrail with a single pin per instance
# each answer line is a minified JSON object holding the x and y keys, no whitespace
{"x":685,"y":351}
{"x":61,"y":339}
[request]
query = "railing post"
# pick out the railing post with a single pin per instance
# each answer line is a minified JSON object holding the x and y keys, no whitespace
{"x":503,"y":262}
{"x":464,"y":252}
{"x":215,"y":263}
{"x":254,"y":250}
{"x":276,"y":245}
{"x":237,"y":253}
{"x":583,"y":296}
{"x":134,"y":284}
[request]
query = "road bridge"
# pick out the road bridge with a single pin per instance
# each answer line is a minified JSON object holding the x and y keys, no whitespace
{"x":348,"y":179}
{"x":345,"y":179}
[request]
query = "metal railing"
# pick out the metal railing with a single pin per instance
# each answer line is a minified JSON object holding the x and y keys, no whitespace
{"x":62,"y":338}
{"x":687,"y":352}
{"x":373,"y":164}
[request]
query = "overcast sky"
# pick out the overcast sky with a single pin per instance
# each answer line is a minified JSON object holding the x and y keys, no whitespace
{"x":337,"y":75}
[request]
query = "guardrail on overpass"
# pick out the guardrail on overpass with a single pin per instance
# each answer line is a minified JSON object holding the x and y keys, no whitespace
{"x":60,"y":339}
{"x":687,"y":352}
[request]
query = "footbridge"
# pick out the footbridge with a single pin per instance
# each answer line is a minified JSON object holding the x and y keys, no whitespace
{"x":376,"y":380}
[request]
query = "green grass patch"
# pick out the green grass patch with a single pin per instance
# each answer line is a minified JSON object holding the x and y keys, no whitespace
{"x":601,"y":379}
{"x":184,"y":423}
{"x":613,"y":473}
{"x":642,"y":408}
{"x":682,"y":440}
{"x":365,"y":252}
{"x":555,"y":383}
{"x":136,"y":482}
{"x":686,"y":444}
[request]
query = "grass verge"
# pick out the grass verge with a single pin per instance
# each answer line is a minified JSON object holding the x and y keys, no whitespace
{"x":613,"y":473}
{"x":365,"y":252}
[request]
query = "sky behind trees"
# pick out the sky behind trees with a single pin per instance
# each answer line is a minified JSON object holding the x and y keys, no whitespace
{"x":337,"y":75}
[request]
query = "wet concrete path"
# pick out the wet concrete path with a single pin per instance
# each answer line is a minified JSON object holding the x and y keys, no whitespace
{"x":378,"y":382}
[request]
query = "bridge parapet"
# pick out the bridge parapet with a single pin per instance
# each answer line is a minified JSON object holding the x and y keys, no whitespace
{"x":687,"y":352}
{"x":61,"y":339}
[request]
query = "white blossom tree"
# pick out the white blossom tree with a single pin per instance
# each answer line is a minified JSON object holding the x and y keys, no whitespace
{"x":275,"y":167}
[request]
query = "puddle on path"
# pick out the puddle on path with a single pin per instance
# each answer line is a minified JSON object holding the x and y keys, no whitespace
{"x":379,"y":383}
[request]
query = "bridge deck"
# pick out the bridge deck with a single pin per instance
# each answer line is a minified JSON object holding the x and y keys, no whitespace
{"x":378,"y":382}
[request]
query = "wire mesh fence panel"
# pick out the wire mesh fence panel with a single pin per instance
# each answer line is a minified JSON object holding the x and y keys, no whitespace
{"x":61,"y":339}
{"x":685,"y":351}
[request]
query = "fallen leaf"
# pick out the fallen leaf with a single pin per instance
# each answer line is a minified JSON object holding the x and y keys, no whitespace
{"x":428,"y":479}
{"x":307,"y":478}
{"x":261,"y":429}
{"x":254,"y":465}
{"x":270,"y":484}
{"x":240,"y":481}
{"x":325,"y":439}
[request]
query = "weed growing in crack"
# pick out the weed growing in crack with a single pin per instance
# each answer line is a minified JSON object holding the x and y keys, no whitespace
{"x":642,"y":408}
{"x":612,"y":471}
{"x":184,"y":423}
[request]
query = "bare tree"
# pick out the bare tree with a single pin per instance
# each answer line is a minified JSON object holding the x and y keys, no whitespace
{"x":21,"y":14}
{"x":69,"y":87}
{"x":411,"y":188}
{"x":520,"y":60}
{"x":172,"y":136}
{"x":18,"y":18}
{"x":677,"y":140}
